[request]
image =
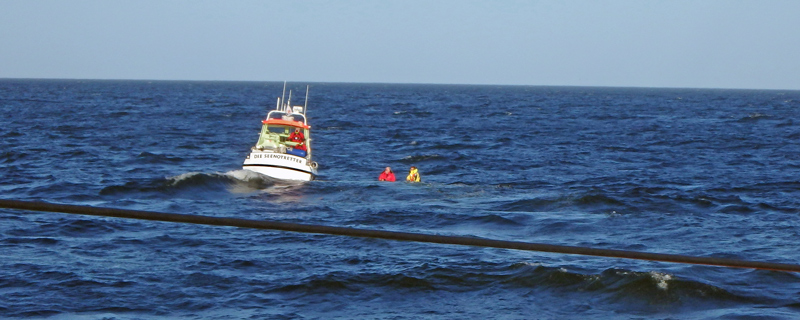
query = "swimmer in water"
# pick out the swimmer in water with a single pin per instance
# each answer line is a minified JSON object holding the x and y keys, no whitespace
{"x":413,"y":175}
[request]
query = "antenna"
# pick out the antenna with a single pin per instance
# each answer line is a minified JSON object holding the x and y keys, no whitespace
{"x":283,"y":96}
{"x":305,"y":107}
{"x":289,"y":103}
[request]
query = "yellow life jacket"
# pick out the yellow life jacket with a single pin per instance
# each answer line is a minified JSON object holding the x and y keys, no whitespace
{"x":413,"y":176}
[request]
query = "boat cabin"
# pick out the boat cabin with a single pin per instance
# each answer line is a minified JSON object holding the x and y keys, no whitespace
{"x":278,"y":134}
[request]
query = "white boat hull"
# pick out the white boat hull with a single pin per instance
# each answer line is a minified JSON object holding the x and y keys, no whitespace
{"x":280,"y":165}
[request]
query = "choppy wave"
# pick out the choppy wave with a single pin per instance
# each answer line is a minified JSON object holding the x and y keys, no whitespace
{"x":755,"y":117}
{"x":641,"y":290}
{"x":422,"y":158}
{"x":696,"y":172}
{"x":152,"y":158}
{"x":194,"y":185}
{"x":588,"y":202}
{"x":11,"y":157}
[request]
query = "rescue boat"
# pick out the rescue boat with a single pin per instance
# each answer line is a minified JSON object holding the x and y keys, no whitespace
{"x":283,"y":150}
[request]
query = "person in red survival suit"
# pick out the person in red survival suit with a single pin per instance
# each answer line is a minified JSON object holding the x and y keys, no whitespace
{"x":387,"y":175}
{"x":297,"y":136}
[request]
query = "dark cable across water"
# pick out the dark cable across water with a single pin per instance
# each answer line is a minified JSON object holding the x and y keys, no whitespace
{"x":391,"y":235}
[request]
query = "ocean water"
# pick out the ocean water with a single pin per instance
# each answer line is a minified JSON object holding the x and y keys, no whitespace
{"x":680,"y":171}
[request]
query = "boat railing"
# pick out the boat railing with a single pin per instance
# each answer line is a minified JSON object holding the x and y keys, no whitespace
{"x":296,"y":117}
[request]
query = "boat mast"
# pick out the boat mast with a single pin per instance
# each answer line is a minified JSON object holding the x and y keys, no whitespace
{"x":305,"y":107}
{"x":283,"y":96}
{"x":289,"y":103}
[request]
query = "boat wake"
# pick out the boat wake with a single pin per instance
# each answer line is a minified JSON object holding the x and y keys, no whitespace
{"x":194,"y":185}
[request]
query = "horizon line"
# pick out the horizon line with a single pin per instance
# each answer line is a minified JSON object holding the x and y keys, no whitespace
{"x":401,"y":83}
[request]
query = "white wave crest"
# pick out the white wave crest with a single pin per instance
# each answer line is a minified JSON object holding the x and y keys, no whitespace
{"x":244,"y":175}
{"x":661,"y":279}
{"x":181,"y":177}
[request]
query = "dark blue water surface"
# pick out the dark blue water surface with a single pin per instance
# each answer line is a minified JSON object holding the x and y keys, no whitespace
{"x":712,"y":173}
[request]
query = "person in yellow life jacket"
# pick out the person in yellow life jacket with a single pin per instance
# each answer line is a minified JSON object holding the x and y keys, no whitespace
{"x":413,"y":175}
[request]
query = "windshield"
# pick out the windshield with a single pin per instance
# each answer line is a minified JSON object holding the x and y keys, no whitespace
{"x":283,"y":130}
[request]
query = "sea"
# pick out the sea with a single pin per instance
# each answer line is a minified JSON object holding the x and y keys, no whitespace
{"x":697,"y":172}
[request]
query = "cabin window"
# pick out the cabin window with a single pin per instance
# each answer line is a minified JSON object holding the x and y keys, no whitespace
{"x":282,"y":132}
{"x":279,"y":129}
{"x":276,"y":137}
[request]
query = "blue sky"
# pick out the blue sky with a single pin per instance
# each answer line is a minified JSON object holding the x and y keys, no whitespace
{"x":699,"y":44}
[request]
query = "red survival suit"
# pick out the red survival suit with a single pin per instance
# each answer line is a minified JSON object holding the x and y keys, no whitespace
{"x":386,"y":176}
{"x":298,"y":137}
